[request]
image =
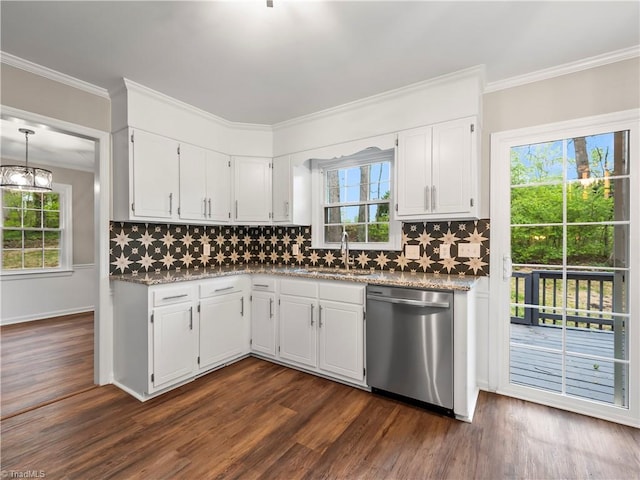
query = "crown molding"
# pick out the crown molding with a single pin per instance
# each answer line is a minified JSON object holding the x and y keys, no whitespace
{"x":131,"y":85}
{"x":567,"y":68}
{"x":45,"y":72}
{"x":477,"y":71}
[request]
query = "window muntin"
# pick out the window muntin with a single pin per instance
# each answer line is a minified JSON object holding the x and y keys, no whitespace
{"x":33,"y":230}
{"x":357,"y":199}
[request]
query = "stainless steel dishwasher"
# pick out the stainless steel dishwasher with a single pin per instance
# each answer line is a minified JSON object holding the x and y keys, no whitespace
{"x":410,"y":344}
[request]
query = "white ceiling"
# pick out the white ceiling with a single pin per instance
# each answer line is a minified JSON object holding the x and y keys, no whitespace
{"x":249,"y":63}
{"x":46,"y":147}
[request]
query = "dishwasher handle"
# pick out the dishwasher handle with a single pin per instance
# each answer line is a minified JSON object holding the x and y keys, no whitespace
{"x":413,"y":303}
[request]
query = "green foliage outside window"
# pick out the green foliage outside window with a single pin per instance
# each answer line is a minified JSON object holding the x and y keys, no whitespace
{"x":31,"y":230}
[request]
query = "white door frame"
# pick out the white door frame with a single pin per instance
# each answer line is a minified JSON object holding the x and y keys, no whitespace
{"x":103,"y":317}
{"x":501,"y":143}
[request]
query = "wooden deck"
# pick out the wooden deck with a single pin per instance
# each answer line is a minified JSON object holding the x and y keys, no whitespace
{"x":586,"y":378}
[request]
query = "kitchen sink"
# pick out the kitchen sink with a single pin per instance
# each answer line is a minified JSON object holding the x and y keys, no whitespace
{"x":336,"y":271}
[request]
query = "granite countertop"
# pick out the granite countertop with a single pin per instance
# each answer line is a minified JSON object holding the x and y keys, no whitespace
{"x":373,"y":277}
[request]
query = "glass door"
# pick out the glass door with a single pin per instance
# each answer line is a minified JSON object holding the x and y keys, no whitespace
{"x":569,"y":336}
{"x":570,"y":250}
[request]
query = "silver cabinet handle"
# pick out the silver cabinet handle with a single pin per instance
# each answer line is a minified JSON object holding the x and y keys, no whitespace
{"x":320,"y":316}
{"x":312,"y":314}
{"x":223,"y":289}
{"x":433,"y":197}
{"x":190,"y":318}
{"x":236,"y":208}
{"x":260,"y":285}
{"x":242,"y":306}
{"x":209,"y":207}
{"x":205,"y":207}
{"x":171,"y":204}
{"x":175,"y":296}
{"x":286,"y":208}
{"x":426,"y":197}
{"x":271,"y":308}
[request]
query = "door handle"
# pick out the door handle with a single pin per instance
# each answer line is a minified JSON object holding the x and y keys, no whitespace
{"x":190,"y":318}
{"x":205,"y":207}
{"x":171,"y":204}
{"x":507,"y":269}
{"x":271,"y":308}
{"x":312,"y":306}
{"x":242,"y":306}
{"x":426,"y":197}
{"x":433,"y":197}
{"x":319,"y":316}
{"x":209,"y":208}
{"x":236,"y":209}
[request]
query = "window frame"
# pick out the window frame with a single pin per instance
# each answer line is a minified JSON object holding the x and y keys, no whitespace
{"x":66,"y":237}
{"x":319,"y":201}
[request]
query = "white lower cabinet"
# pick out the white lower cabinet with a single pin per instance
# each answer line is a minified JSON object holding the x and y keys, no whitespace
{"x":173,"y":344}
{"x":298,"y":305}
{"x":322,"y":327}
{"x":166,"y":335}
{"x":263,"y":316}
{"x":341,"y":339}
{"x":160,"y":332}
{"x":224,"y":324}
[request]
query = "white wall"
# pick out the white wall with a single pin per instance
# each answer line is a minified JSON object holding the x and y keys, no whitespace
{"x":30,"y":297}
{"x":449,"y":97}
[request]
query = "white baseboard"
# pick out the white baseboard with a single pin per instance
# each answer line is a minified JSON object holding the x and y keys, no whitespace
{"x":45,"y":315}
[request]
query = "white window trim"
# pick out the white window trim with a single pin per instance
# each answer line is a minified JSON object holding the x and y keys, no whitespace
{"x":318,"y":202}
{"x":66,"y":240}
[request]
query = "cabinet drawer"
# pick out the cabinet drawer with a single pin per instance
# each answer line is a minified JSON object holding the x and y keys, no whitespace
{"x":167,"y":296}
{"x":263,"y":284}
{"x":300,"y":288}
{"x":220,"y":286}
{"x":341,"y":292}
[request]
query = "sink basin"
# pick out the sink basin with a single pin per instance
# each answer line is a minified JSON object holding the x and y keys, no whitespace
{"x":337,"y":271}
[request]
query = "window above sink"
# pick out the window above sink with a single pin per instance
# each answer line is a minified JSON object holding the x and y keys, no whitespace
{"x":355,"y":194}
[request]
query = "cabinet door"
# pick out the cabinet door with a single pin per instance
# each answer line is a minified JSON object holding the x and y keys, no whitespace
{"x":413,"y":188}
{"x":341,"y":330}
{"x":155,"y":175}
{"x":223,"y":334}
{"x":218,"y":174}
{"x":263,"y":323}
{"x":282,"y":186}
{"x":298,"y":330}
{"x":252,"y":189}
{"x":193,"y":183}
{"x":174,"y":346}
{"x":451,"y":189}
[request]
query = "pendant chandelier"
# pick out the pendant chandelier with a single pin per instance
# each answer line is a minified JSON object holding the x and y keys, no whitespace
{"x":25,"y":178}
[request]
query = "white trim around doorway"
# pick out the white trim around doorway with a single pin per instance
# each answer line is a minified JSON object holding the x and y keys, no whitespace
{"x":103,"y":317}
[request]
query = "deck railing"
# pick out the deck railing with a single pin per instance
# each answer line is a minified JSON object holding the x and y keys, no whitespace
{"x":591,"y":291}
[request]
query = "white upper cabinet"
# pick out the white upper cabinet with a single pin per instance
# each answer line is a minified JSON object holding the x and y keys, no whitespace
{"x":205,"y":185}
{"x":291,"y":192}
{"x":146,"y":170}
{"x":252,"y":189}
{"x":435,"y":168}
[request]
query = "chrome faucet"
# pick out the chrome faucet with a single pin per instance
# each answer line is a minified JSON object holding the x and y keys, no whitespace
{"x":344,"y":249}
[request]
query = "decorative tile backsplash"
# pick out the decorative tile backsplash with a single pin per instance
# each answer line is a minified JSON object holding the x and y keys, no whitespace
{"x":145,"y":247}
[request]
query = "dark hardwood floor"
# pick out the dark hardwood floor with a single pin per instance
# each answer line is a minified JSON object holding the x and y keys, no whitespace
{"x":45,"y":360}
{"x":255,"y":419}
